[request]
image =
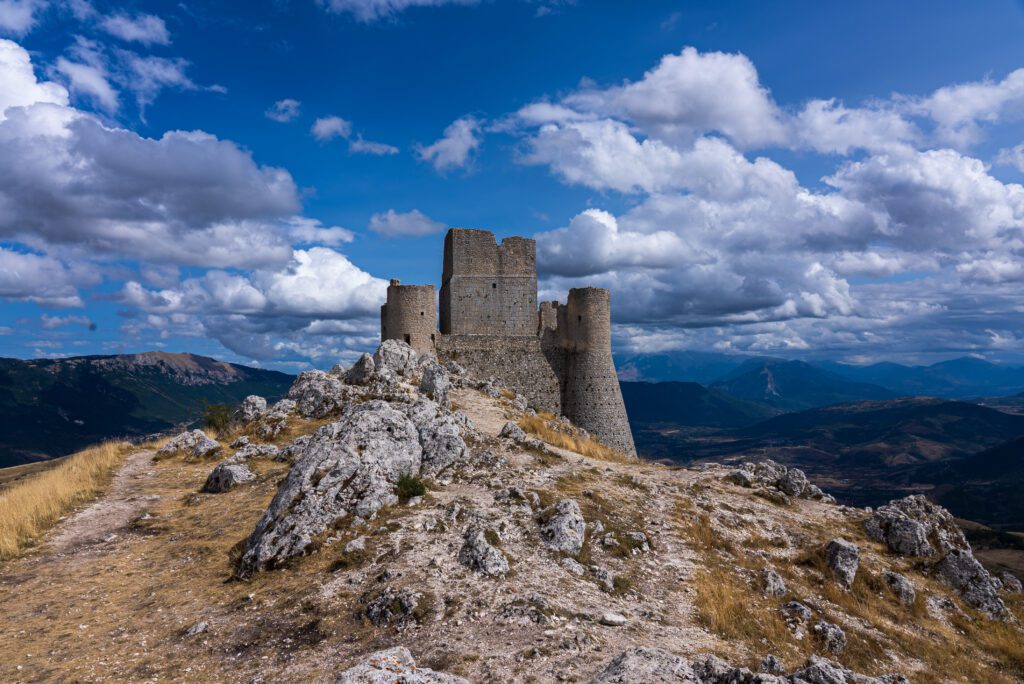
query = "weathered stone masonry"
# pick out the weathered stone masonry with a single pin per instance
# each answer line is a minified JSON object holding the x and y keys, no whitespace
{"x":557,"y":355}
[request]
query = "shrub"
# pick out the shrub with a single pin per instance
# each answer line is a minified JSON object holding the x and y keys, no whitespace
{"x":410,"y":486}
{"x":217,"y":417}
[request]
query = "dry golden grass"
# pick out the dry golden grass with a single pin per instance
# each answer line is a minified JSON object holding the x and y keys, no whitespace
{"x":30,"y":508}
{"x":539,"y":426}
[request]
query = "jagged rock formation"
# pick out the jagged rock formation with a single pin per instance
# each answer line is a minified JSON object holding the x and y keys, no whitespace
{"x":227,"y":476}
{"x":394,"y":666}
{"x":195,"y":443}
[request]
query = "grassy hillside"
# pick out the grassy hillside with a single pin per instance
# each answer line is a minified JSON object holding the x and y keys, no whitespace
{"x":55,"y":407}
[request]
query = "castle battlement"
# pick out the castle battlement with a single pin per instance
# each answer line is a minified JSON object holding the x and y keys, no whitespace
{"x":557,"y":355}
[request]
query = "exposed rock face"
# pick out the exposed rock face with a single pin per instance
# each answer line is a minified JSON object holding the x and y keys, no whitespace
{"x":901,"y":587}
{"x":769,"y":474}
{"x":843,"y":558}
{"x":227,"y":475}
{"x":645,"y":666}
{"x":962,"y":571}
{"x":348,"y":467}
{"x":394,"y":607}
{"x":905,"y":526}
{"x":436,"y":383}
{"x":251,"y":408}
{"x":479,"y":555}
{"x":394,"y":666}
{"x":398,"y":357}
{"x":195,"y":443}
{"x":440,"y":434}
{"x":362,"y":371}
{"x":564,"y":528}
{"x":317,"y":394}
{"x":821,"y":671}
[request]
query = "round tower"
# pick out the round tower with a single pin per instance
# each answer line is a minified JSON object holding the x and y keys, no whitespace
{"x":410,"y":315}
{"x":592,"y":398}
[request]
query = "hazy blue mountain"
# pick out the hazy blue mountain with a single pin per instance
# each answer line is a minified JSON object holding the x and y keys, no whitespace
{"x":957,"y":378}
{"x":795,"y":385}
{"x":51,"y":408}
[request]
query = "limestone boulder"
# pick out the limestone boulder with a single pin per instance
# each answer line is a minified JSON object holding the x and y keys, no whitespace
{"x":251,"y":408}
{"x":820,"y":670}
{"x":563,"y":527}
{"x":479,"y":555}
{"x":194,"y":443}
{"x":441,"y":434}
{"x":769,"y":474}
{"x":962,"y":571}
{"x":349,"y":467}
{"x":250,"y":451}
{"x":511,"y":430}
{"x":395,"y":356}
{"x":275,"y":420}
{"x":843,"y":559}
{"x":317,"y":394}
{"x":1011,"y":584}
{"x":394,"y":666}
{"x":362,"y":371}
{"x":436,"y":382}
{"x":227,"y":475}
{"x":645,"y":666}
{"x":901,"y":587}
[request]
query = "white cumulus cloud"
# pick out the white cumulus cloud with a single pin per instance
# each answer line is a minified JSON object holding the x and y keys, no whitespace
{"x":455,"y":148}
{"x":404,"y":224}
{"x":146,"y":29}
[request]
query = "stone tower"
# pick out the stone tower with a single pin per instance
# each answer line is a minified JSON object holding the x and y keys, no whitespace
{"x":410,"y":315}
{"x":557,"y":355}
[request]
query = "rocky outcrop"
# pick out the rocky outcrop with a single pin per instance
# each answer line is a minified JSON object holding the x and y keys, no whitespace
{"x":768,"y":474}
{"x":317,"y":394}
{"x":563,"y":527}
{"x":251,"y":408}
{"x":843,"y":559}
{"x":395,"y":356}
{"x":440,"y":434}
{"x":349,"y":467}
{"x":511,"y":430}
{"x":195,"y":444}
{"x":248,"y":451}
{"x":227,"y":475}
{"x":275,"y":419}
{"x":362,"y":371}
{"x":914,"y":526}
{"x":394,"y":666}
{"x":1011,"y":585}
{"x":436,"y":383}
{"x":907,"y":525}
{"x":962,"y":571}
{"x":832,"y":637}
{"x":481,"y":556}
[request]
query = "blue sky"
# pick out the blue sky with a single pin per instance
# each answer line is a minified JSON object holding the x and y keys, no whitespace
{"x":799,"y":179}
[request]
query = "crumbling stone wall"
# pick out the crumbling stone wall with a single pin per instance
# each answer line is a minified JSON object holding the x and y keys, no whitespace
{"x":486,"y":288}
{"x":556,"y":355}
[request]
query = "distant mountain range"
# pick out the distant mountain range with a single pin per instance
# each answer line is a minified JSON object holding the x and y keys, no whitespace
{"x":52,"y":408}
{"x":690,"y":404}
{"x":956,"y":379}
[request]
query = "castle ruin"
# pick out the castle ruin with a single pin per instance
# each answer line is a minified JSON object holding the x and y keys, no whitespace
{"x":557,"y":355}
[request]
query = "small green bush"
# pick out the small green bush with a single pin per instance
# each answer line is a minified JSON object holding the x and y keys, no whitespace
{"x":217,"y":417}
{"x":410,"y":486}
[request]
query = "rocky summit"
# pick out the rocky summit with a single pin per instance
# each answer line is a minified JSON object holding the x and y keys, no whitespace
{"x":400,"y":520}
